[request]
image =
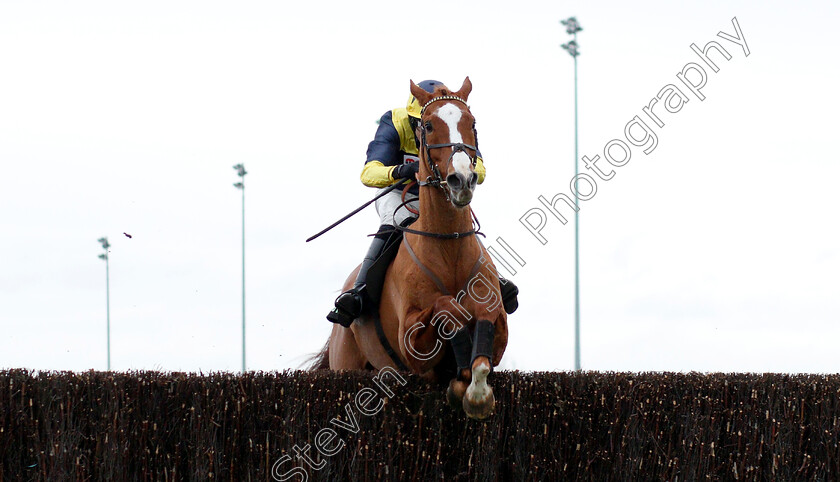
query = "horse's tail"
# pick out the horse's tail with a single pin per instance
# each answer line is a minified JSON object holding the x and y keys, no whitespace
{"x":321,"y":359}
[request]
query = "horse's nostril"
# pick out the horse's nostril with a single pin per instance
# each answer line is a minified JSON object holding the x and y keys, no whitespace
{"x":473,"y":180}
{"x":453,"y":181}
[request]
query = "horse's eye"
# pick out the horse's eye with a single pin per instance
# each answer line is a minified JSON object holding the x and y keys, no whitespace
{"x":428,"y":125}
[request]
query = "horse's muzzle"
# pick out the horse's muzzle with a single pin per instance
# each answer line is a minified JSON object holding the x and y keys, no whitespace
{"x":461,"y":188}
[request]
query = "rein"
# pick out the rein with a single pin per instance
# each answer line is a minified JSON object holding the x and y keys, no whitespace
{"x":397,"y":227}
{"x":406,"y":204}
{"x":475,"y":230}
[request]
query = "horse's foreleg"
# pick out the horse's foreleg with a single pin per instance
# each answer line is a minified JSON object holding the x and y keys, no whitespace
{"x":462,"y":345}
{"x":420,"y":340}
{"x":488,"y":348}
{"x":478,"y":401}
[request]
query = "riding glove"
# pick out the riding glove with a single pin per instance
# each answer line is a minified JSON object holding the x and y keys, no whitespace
{"x":405,"y":171}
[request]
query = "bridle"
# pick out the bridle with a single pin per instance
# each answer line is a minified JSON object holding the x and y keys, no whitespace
{"x":435,"y":180}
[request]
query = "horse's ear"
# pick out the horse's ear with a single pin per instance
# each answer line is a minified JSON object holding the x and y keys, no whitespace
{"x":421,"y":95}
{"x":465,"y":89}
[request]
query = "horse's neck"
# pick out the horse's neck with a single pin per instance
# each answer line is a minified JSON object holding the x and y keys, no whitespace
{"x":437,"y":215}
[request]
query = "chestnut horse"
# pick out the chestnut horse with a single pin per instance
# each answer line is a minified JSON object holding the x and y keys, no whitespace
{"x":441,"y":294}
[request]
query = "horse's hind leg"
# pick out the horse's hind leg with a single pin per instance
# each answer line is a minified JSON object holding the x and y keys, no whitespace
{"x":479,"y":401}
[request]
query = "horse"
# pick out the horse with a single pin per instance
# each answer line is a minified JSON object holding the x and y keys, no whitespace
{"x":440,"y":303}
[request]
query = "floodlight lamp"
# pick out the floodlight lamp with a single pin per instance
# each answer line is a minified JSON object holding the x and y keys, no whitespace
{"x":103,"y":256}
{"x":572,"y":48}
{"x":572,"y":25}
{"x":239,"y":185}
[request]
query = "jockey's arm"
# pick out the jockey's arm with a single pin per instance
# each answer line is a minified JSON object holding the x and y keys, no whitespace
{"x":382,"y":155}
{"x":376,"y":174}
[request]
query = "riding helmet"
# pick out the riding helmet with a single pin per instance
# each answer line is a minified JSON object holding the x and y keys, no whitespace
{"x":413,"y":106}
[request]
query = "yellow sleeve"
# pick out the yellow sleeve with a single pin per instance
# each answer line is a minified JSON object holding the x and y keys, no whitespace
{"x":480,"y":170}
{"x":376,"y":174}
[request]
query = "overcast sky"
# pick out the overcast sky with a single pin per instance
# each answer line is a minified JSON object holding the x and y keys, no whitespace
{"x":716,"y":251}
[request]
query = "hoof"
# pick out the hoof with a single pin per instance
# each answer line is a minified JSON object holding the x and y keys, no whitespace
{"x":479,"y":401}
{"x":481,"y":410}
{"x":455,"y":393}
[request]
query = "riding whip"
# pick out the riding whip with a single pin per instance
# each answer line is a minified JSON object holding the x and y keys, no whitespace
{"x":384,"y":192}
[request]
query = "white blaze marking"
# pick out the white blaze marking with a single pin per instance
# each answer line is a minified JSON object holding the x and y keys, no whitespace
{"x":460,"y":161}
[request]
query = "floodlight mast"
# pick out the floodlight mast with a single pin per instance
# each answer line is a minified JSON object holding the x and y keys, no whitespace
{"x":105,"y":246}
{"x":572,"y":28}
{"x":240,"y":171}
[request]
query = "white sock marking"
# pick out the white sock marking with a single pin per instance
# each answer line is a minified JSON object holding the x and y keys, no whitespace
{"x":478,"y":389}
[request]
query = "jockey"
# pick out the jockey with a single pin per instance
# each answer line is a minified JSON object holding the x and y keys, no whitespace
{"x":392,"y":157}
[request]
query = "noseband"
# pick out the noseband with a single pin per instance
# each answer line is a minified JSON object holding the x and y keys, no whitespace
{"x":435,"y":180}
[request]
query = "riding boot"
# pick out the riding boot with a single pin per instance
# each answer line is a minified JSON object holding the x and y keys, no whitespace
{"x":509,"y":295}
{"x":349,"y":305}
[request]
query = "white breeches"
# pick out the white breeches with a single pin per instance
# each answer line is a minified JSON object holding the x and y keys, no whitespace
{"x":386,"y":205}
